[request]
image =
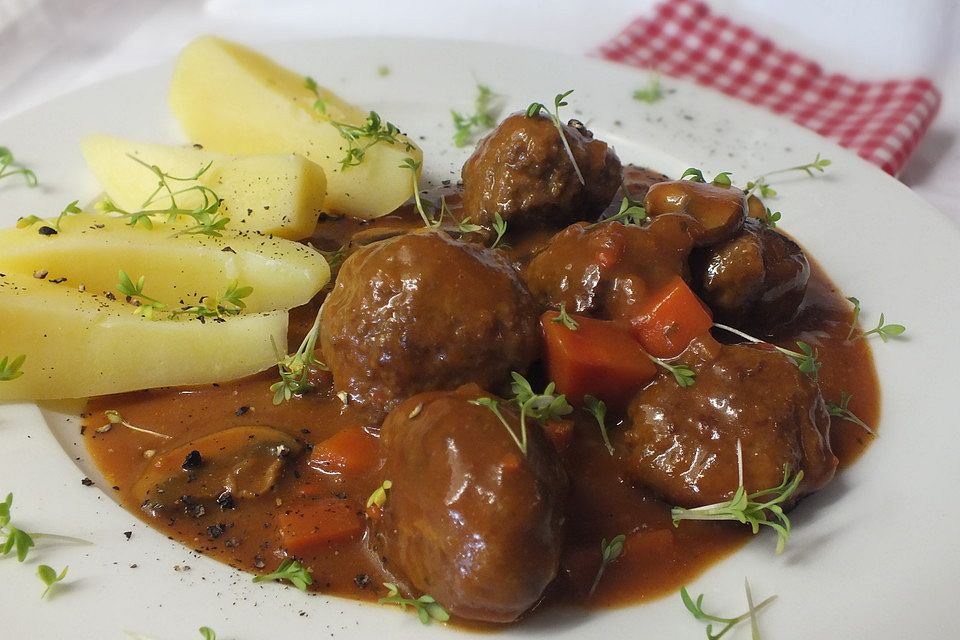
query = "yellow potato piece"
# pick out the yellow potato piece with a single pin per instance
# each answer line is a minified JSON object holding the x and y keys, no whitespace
{"x":81,"y":344}
{"x":92,"y":248}
{"x":233,"y":100}
{"x":274,"y":194}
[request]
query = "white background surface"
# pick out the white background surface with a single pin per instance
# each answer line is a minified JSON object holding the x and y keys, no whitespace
{"x":50,"y":47}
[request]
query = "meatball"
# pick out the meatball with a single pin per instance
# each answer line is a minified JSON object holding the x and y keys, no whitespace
{"x":523,"y":172}
{"x":719,"y":211}
{"x":756,"y":280}
{"x":420,"y":312}
{"x":469,"y":519}
{"x":682,"y":442}
{"x":606,"y":269}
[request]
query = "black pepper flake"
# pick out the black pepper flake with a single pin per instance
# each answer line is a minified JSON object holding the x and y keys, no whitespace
{"x":87,"y":482}
{"x":60,"y":280}
{"x":192,"y":461}
{"x":47,"y":231}
{"x":228,"y":250}
{"x":191,"y":507}
{"x":225,"y":500}
{"x":128,"y":534}
{"x":109,"y":296}
{"x":241,"y":410}
{"x":216,"y":530}
{"x":231,"y":543}
{"x":362,"y":580}
{"x":340,"y":495}
{"x":258,"y":562}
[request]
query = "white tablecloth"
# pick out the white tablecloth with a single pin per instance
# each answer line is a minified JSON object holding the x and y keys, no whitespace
{"x":50,"y":47}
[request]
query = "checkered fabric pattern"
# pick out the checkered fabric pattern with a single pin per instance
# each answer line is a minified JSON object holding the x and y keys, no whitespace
{"x":880,"y":121}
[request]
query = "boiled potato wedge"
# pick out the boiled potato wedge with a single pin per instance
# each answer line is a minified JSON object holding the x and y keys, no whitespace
{"x":233,"y":100}
{"x":91,"y":249}
{"x":274,"y":194}
{"x":81,"y":344}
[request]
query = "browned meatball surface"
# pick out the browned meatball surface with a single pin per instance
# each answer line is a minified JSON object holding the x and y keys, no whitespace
{"x":718,"y":211}
{"x":469,"y":519}
{"x":523,"y":172}
{"x":422,"y":311}
{"x":682,"y":442}
{"x":605,"y":269}
{"x":756,"y":280}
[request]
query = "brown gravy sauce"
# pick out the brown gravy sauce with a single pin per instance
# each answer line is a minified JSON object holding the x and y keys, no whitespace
{"x":658,"y":557}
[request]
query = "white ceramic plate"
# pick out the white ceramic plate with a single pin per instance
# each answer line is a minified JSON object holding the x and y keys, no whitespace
{"x":874,"y":555}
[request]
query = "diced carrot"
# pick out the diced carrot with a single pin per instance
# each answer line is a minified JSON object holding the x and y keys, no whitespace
{"x":670,"y":319}
{"x":599,"y":358}
{"x":351,"y":451}
{"x":560,"y":433}
{"x":307,"y":527}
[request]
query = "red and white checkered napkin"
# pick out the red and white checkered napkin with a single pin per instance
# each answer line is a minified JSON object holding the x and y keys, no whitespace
{"x":880,"y":121}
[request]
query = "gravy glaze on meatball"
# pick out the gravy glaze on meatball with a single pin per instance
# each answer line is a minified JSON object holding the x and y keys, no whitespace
{"x":469,"y":519}
{"x":420,"y":312}
{"x":682,"y":442}
{"x":522,"y":171}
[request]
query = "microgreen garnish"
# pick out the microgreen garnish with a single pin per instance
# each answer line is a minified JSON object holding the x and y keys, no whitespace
{"x":631,"y":212}
{"x":359,"y":138}
{"x":806,"y":359}
{"x":770,"y":218}
{"x":722,"y":179}
{"x":760,"y":182}
{"x":19,"y":541}
{"x":292,"y":571}
{"x":49,"y":576}
{"x":209,"y":219}
{"x":609,"y":552}
{"x":335,"y":258}
{"x":10,"y":369}
{"x":10,"y":167}
{"x":294,"y":367}
{"x":650,"y":93}
{"x":413,"y":166}
{"x":208,"y":633}
{"x":558,"y":101}
{"x":229,"y":304}
{"x":484,"y":117}
{"x":543,"y":407}
{"x":383,"y":71}
{"x":684,"y":375}
{"x":379,"y":496}
{"x":29,"y":221}
{"x":564,"y":318}
{"x":145,"y":305}
{"x":695,"y":607}
{"x":841,"y":410}
{"x":761,"y":508}
{"x":598,"y":409}
{"x":114,"y":418}
{"x":500,"y":227}
{"x":883,"y":330}
{"x":426,"y":607}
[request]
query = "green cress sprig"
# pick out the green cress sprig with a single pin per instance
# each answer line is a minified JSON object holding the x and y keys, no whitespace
{"x":379,"y":496}
{"x":16,"y":540}
{"x":806,"y":359}
{"x":841,"y":410}
{"x":631,"y":212}
{"x":543,"y":407}
{"x":11,"y":369}
{"x":426,"y":607}
{"x":883,"y":330}
{"x":428,"y":221}
{"x":10,"y":167}
{"x":760,"y":508}
{"x":564,"y":318}
{"x":49,"y":576}
{"x":359,"y":138}
{"x":598,"y":409}
{"x":208,"y":634}
{"x":766,"y":191}
{"x":693,"y":174}
{"x":695,"y":607}
{"x":294,"y":367}
{"x":684,"y":375}
{"x":558,"y":101}
{"x":70,"y":209}
{"x":145,"y":305}
{"x":650,"y":93}
{"x":500,"y":228}
{"x":230,"y":303}
{"x":484,"y":117}
{"x":609,"y":553}
{"x":209,"y":220}
{"x":290,"y":570}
